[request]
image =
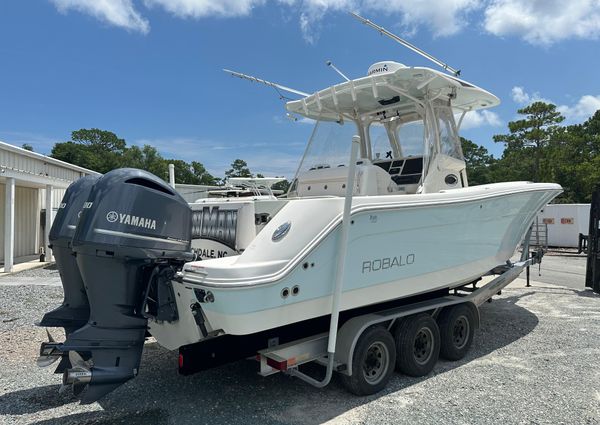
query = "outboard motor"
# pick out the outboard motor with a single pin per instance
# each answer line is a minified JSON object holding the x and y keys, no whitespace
{"x":75,"y":310}
{"x":133,"y":236}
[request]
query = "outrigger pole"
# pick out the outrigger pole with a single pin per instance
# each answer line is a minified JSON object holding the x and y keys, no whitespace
{"x":329,"y":63}
{"x":265,"y":82}
{"x":405,"y":43}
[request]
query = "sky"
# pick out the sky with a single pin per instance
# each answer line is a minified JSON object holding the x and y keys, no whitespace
{"x":151,"y":70}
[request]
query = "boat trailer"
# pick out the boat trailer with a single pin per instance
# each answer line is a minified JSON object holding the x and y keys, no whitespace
{"x":288,"y":357}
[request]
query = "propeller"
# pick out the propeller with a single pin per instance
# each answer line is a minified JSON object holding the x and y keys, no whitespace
{"x":78,"y":376}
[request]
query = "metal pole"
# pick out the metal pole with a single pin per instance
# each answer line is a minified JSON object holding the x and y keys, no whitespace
{"x":9,"y":224}
{"x":342,"y":248}
{"x":265,"y":82}
{"x":406,"y":44}
{"x":48,"y":222}
{"x":329,"y":63}
{"x":172,"y":175}
{"x":525,"y":250}
{"x":339,"y":275}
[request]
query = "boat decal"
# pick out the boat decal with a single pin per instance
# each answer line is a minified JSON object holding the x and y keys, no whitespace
{"x":215,"y":224}
{"x":210,"y":253}
{"x":378,"y":264}
{"x":281,"y":231}
{"x":131,"y":220}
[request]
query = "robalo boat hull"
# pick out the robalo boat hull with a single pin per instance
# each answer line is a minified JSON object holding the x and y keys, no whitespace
{"x":407,"y":246}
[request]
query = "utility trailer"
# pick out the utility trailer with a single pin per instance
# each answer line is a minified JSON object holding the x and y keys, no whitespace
{"x":369,"y":346}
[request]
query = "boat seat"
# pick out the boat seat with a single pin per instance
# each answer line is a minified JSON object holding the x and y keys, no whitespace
{"x":405,"y":172}
{"x":331,"y":181}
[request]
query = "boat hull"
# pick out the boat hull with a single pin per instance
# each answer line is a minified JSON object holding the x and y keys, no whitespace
{"x":395,"y":250}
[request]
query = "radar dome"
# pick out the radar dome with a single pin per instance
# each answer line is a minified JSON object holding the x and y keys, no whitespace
{"x":385,"y":67}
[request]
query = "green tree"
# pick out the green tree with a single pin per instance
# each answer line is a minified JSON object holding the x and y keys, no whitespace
{"x":592,"y":126}
{"x":27,"y":147}
{"x":145,"y":158}
{"x":202,"y":175}
{"x":283,"y":185}
{"x":74,"y":153}
{"x":95,"y":149}
{"x":239,"y":168}
{"x":103,"y":151}
{"x":575,"y":160}
{"x":530,"y":137}
{"x":99,"y":139}
{"x":479,"y":162}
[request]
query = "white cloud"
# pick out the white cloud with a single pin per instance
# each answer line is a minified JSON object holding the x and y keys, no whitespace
{"x":41,"y":143}
{"x":203,"y":8}
{"x":306,"y":26}
{"x":120,"y":13}
{"x":520,"y":96}
{"x":585,"y":107}
{"x":537,"y":21}
{"x":482,"y":118}
{"x":217,"y":156}
{"x":443,"y":18}
{"x":544,"y":21}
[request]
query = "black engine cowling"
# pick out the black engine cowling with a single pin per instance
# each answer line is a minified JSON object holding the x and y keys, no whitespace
{"x":133,"y":229}
{"x":75,"y":310}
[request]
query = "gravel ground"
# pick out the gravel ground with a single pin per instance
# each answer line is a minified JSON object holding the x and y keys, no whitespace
{"x":535,"y":359}
{"x":565,"y":270}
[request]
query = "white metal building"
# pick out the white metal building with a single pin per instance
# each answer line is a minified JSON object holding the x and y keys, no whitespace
{"x":29,"y":184}
{"x":565,"y":222}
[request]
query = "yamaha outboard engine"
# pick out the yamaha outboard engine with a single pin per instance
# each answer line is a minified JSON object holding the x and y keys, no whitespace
{"x":133,"y":236}
{"x":75,"y":310}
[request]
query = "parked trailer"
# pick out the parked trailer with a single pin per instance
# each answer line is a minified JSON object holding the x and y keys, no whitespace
{"x":409,"y":338}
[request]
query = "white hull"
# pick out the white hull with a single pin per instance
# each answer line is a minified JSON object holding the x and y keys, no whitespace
{"x":398,"y":248}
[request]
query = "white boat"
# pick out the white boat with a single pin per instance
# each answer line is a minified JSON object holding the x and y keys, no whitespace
{"x":416,"y":226}
{"x":229,"y":218}
{"x":377,"y":228}
{"x":246,"y":187}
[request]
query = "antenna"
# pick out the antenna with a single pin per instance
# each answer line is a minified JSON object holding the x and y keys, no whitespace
{"x":265,"y":82}
{"x":329,"y":63}
{"x":405,"y":43}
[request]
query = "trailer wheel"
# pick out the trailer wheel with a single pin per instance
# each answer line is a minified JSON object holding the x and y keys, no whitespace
{"x":417,"y":344}
{"x":373,"y":362}
{"x":456,"y":329}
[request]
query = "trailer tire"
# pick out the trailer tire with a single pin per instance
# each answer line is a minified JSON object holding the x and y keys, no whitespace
{"x":372,"y":363}
{"x":457,"y":326}
{"x":418,"y":344}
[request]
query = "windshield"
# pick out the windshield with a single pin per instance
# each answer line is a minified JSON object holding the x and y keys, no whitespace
{"x":404,"y":145}
{"x":329,"y":146}
{"x":380,"y":141}
{"x":449,"y":140}
{"x":397,"y":138}
{"x":411,"y":136}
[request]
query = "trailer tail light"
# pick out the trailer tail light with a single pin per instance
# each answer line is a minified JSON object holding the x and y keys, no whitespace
{"x":180,"y":361}
{"x":281,"y":365}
